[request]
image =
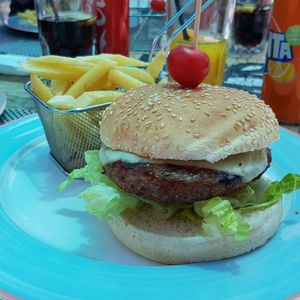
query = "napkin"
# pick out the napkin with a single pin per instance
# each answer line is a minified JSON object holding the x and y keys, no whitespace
{"x":9,"y":64}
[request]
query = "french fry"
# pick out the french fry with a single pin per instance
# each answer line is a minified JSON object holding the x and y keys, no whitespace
{"x":119,"y":59}
{"x":90,"y":80}
{"x":102,"y":84}
{"x":157,"y":64}
{"x":54,"y":72}
{"x":29,"y":16}
{"x":40,"y":89}
{"x":62,"y":102}
{"x":124,"y":80}
{"x":61,"y":60}
{"x":98,"y":71}
{"x":59,"y":87}
{"x":137,"y":73}
{"x":109,"y":86}
{"x":99,"y":84}
{"x":122,"y":60}
{"x":96,"y":97}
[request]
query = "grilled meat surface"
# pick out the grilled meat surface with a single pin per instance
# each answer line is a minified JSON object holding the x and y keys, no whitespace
{"x":172,"y":184}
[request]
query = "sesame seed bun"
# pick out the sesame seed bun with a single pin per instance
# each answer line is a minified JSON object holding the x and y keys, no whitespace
{"x":177,"y":241}
{"x":165,"y":121}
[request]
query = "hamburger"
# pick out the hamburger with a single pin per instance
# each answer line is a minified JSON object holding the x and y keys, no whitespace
{"x":179,"y":175}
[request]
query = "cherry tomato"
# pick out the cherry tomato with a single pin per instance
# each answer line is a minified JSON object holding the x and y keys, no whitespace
{"x":188,"y":66}
{"x":158,"y":5}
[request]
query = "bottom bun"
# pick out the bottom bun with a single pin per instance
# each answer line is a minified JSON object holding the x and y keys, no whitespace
{"x":178,"y":241}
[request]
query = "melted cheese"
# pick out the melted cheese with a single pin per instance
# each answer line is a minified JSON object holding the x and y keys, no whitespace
{"x":247,"y":165}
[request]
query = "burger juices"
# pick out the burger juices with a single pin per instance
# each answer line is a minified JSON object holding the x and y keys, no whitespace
{"x":179,"y":172}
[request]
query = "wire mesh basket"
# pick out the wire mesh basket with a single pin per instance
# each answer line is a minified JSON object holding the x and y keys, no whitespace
{"x":69,"y":132}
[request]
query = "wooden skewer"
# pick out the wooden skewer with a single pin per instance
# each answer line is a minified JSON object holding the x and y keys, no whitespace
{"x":197,"y":23}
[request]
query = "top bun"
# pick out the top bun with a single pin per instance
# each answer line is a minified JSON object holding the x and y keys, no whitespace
{"x":166,"y":121}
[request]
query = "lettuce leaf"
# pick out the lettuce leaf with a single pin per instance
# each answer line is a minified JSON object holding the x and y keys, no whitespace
{"x":103,"y":199}
{"x":288,"y":184}
{"x":106,"y":201}
{"x":218,"y":216}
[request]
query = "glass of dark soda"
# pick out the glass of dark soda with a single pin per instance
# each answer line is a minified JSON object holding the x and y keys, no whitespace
{"x":251,"y":24}
{"x":66,"y":27}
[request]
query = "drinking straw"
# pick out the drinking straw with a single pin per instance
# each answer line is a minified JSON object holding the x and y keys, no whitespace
{"x":181,"y":20}
{"x":178,"y":30}
{"x":197,"y":23}
{"x":56,"y":16}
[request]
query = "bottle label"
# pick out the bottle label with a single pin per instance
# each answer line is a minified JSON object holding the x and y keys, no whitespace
{"x":281,"y":81}
{"x":293,"y":35}
{"x":280,"y":56}
{"x":279,"y":48}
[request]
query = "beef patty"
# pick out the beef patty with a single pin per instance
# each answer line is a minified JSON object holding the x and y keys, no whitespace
{"x":172,"y":184}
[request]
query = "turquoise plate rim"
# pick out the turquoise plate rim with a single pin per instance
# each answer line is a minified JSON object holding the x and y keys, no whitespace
{"x":30,"y":269}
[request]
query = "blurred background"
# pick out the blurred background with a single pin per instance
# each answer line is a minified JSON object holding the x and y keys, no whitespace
{"x":233,"y":33}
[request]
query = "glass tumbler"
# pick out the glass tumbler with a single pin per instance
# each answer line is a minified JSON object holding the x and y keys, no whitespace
{"x":213,"y":37}
{"x":66,"y":27}
{"x":251,"y":24}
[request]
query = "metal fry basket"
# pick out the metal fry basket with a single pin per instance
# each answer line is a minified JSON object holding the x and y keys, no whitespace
{"x":69,"y":132}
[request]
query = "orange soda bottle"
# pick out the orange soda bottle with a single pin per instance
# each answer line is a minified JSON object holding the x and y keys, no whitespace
{"x":281,"y":84}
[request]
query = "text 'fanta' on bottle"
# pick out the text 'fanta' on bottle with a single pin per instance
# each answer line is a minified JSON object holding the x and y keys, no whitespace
{"x":281,"y":85}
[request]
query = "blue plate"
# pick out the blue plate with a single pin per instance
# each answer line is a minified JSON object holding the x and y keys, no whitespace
{"x":19,"y":24}
{"x":50,"y":248}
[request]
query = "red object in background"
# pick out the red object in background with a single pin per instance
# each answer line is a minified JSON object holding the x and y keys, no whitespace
{"x":188,"y":66}
{"x":158,"y":5}
{"x":281,"y":83}
{"x":112,"y":29}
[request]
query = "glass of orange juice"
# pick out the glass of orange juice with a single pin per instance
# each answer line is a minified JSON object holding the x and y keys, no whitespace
{"x":213,"y":38}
